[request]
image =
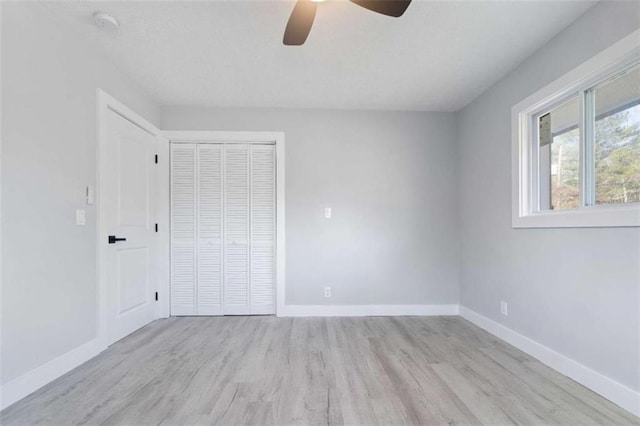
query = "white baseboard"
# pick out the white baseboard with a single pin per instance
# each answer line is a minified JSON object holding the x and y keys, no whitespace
{"x":615,"y":392}
{"x":365,"y":310}
{"x":28,"y":383}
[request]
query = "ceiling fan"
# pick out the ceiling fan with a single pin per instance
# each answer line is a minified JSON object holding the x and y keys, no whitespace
{"x":304,"y":12}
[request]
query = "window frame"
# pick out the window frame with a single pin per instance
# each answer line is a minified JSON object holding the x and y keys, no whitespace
{"x":525,"y":154}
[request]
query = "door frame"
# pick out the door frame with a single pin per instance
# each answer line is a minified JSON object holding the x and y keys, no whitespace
{"x":218,"y":137}
{"x":108,"y":104}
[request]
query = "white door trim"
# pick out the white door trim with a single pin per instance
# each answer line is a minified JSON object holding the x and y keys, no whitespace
{"x":108,"y":103}
{"x":276,"y":138}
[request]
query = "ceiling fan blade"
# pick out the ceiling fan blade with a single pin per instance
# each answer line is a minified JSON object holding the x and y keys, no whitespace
{"x":300,"y":23}
{"x":393,"y":8}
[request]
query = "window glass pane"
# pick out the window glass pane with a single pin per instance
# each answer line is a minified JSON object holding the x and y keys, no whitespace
{"x":617,"y":139}
{"x":560,"y":157}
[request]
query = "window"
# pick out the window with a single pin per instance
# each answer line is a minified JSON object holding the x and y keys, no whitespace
{"x":617,"y":139}
{"x":559,"y":156}
{"x":576,"y":145}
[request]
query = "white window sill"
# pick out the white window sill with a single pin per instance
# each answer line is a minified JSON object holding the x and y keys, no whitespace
{"x":584,"y":217}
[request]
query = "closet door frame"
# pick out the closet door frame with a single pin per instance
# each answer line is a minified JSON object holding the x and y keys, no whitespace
{"x":260,"y":138}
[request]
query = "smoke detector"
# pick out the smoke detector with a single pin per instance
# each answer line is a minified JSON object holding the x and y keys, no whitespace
{"x":105,"y":21}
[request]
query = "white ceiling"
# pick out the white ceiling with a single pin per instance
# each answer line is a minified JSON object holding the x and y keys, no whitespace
{"x":437,"y":57}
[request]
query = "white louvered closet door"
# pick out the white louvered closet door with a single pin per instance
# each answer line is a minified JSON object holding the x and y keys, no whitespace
{"x":222,"y":229}
{"x":209,"y":229}
{"x":183,"y":229}
{"x":263,"y":229}
{"x":236,"y":230}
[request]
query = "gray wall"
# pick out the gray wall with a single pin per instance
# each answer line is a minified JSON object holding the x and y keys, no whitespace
{"x":49,"y":145}
{"x":390,"y":179}
{"x":576,"y":291}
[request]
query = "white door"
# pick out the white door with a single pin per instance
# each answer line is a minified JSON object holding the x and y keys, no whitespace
{"x":209,"y":229}
{"x":262,"y":272}
{"x":222,"y":229}
{"x":132,"y":280}
{"x":236,"y":230}
{"x":183,"y":229}
{"x":196,"y":229}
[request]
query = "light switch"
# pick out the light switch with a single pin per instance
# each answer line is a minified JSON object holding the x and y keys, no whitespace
{"x":81,"y":219}
{"x":91,"y":195}
{"x":327,"y":212}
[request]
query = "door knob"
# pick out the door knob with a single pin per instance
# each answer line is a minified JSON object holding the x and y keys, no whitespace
{"x":113,"y":239}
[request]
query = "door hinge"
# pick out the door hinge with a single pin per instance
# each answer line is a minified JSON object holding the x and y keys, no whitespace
{"x":156,"y":227}
{"x":156,"y":158}
{"x":156,"y":296}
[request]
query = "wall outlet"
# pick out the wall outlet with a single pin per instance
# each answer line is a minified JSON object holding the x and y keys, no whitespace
{"x":504,"y":308}
{"x":327,"y":292}
{"x":327,"y":212}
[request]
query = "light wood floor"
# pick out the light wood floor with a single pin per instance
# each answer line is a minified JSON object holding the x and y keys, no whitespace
{"x":267,"y":370}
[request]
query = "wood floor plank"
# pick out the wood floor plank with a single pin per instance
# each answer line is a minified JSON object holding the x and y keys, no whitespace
{"x":313,"y":371}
